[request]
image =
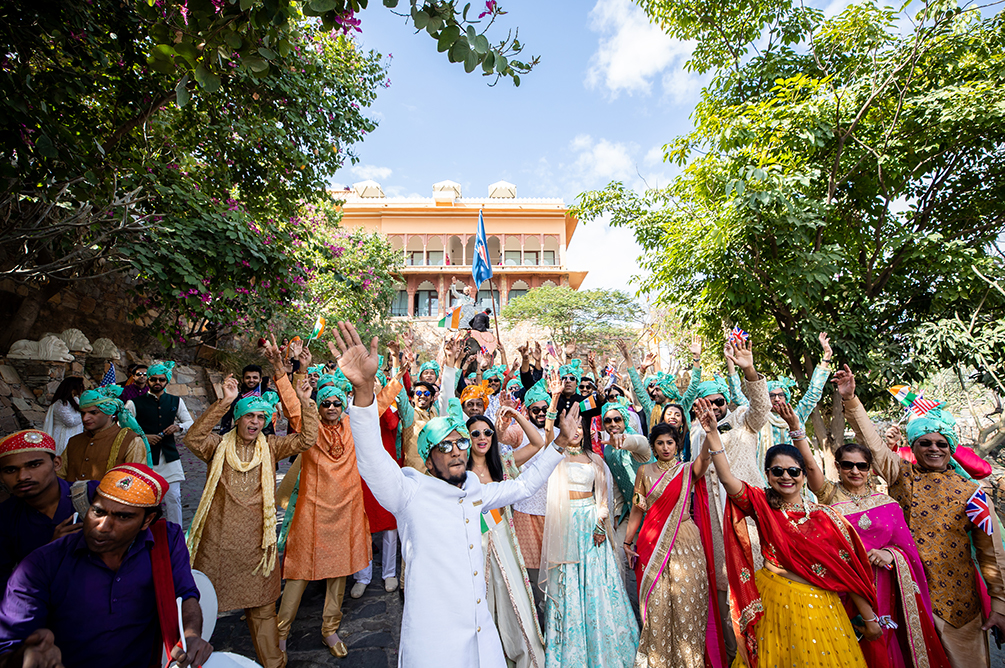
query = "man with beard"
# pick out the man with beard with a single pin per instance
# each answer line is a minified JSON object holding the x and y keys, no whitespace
{"x":40,"y":509}
{"x":92,"y":599}
{"x":136,"y":386}
{"x":446,"y":620}
{"x":233,"y":534}
{"x":253,"y":384}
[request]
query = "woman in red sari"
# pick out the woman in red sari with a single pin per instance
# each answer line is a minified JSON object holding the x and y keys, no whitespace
{"x":673,"y":560}
{"x":789,"y":612}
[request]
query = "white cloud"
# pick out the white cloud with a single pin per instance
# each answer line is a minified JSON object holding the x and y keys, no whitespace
{"x":370,"y":172}
{"x":654,"y":156}
{"x":610,"y":254}
{"x":632,"y":51}
{"x":603,"y":160}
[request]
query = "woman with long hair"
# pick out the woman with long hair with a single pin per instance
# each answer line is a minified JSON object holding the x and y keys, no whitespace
{"x":897,"y":570}
{"x":588,"y":620}
{"x":675,"y":416}
{"x":790,"y":612}
{"x":509,"y":595}
{"x":673,"y":559}
{"x":63,"y":419}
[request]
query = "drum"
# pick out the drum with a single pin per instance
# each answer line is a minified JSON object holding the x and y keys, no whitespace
{"x":208,"y":603}
{"x":229,"y":660}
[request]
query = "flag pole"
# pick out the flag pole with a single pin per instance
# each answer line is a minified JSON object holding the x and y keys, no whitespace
{"x":495,"y":317}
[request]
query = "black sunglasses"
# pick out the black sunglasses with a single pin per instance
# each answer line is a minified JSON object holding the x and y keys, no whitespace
{"x":848,"y":466}
{"x":329,"y":404}
{"x":609,"y":420}
{"x":539,"y":409}
{"x":478,"y":432}
{"x":779,"y":471}
{"x":942,"y":445}
{"x":720,"y":402}
{"x":446,"y":447}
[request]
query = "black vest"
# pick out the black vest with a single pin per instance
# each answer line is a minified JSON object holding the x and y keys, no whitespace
{"x":154,"y":416}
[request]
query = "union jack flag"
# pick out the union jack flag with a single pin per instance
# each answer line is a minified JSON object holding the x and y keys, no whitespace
{"x":738,"y":336}
{"x":109,"y":377}
{"x":979,"y":511}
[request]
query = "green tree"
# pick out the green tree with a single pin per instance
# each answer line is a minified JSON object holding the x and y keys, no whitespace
{"x":178,"y":140}
{"x":592,"y":319}
{"x":842,"y":176}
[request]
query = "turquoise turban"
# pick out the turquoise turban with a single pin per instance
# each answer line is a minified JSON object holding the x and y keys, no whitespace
{"x":332,"y":391}
{"x":431,"y":365}
{"x":936,"y":421}
{"x":782,"y":384}
{"x":623,"y":410}
{"x":535,"y":393}
{"x":439,"y":428}
{"x":337,"y":379}
{"x":319,"y":369}
{"x":381,"y":376}
{"x":106,"y":399}
{"x":573,"y":368}
{"x":163,"y":368}
{"x":668,"y":386}
{"x":514,"y":382}
{"x":498,"y":371}
{"x":263,"y":404}
{"x":710,"y":387}
{"x":650,"y":380}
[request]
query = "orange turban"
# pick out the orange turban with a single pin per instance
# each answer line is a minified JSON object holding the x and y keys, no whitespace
{"x":470,"y":392}
{"x":134,"y":485}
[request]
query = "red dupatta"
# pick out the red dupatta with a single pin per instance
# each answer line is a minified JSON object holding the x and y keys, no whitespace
{"x":824,"y":550}
{"x":657,"y":537}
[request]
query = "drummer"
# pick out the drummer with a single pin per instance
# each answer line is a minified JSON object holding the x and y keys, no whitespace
{"x":94,"y":590}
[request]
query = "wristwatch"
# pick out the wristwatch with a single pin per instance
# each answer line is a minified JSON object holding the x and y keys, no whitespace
{"x":557,"y":447}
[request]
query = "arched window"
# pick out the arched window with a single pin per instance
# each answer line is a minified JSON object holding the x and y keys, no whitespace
{"x":427,"y":300}
{"x":399,"y":304}
{"x":434,"y":252}
{"x":415,"y":253}
{"x":518,"y":289}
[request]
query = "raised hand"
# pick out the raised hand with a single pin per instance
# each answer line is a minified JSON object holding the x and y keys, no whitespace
{"x":617,"y":441}
{"x":591,"y":359}
{"x":695,"y":347}
{"x":893,"y":437}
{"x":568,"y":423}
{"x":742,"y":355}
{"x":825,"y":343}
{"x":537,"y":352}
{"x":296,"y":347}
{"x":333,"y":349}
{"x":274,"y":353}
{"x":484,"y":361}
{"x":449,"y":352}
{"x":407,"y":339}
{"x":303,"y":390}
{"x":648,"y":362}
{"x":703,"y":410}
{"x":555,"y":384}
{"x":844,"y":380}
{"x":625,"y":352}
{"x":506,"y":412}
{"x":570,"y":349}
{"x":789,"y":415}
{"x":395,"y":350}
{"x":306,"y":359}
{"x":523,"y":350}
{"x":357,"y":362}
{"x":230,"y":388}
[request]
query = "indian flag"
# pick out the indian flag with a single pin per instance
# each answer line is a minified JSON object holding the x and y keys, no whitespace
{"x":452,"y":319}
{"x":491,"y":519}
{"x":319,"y":327}
{"x":913,"y":400}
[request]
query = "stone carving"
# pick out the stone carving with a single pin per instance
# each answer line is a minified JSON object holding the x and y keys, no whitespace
{"x":49,"y":349}
{"x":76,"y":341}
{"x":105,"y":349}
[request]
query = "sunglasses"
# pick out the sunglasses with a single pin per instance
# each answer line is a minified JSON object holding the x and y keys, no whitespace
{"x":572,"y":378}
{"x":423,"y":393}
{"x":776,"y":395}
{"x":140,"y":373}
{"x":779,"y":471}
{"x":479,"y":432}
{"x":446,"y":447}
{"x":538,"y":410}
{"x":942,"y":445}
{"x":329,"y":404}
{"x":848,"y":466}
{"x":157,"y":379}
{"x":613,"y":419}
{"x":720,"y":402}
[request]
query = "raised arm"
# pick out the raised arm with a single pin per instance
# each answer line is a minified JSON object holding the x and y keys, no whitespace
{"x":637,"y":386}
{"x":392,"y":489}
{"x":814,"y":476}
{"x":733,"y":485}
{"x":536,"y":441}
{"x":200,"y":438}
{"x":887,"y":463}
{"x":691,"y":393}
{"x":287,"y":446}
{"x":754,"y":386}
{"x":635,"y":444}
{"x":817,"y":381}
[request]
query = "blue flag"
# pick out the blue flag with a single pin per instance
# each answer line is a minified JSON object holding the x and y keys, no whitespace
{"x":481,"y":268}
{"x":109,"y":377}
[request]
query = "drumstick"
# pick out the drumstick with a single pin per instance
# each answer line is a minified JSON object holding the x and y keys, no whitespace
{"x":181,"y":627}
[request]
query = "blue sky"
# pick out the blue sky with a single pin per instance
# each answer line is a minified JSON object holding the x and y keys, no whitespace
{"x":609,"y":92}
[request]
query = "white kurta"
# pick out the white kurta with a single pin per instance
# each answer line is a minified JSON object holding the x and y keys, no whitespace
{"x":446,"y":620}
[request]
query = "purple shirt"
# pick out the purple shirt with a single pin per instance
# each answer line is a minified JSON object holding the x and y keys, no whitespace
{"x":131,"y":392}
{"x":100,"y":618}
{"x":23,"y":529}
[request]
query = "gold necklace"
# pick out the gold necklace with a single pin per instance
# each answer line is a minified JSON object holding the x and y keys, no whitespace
{"x":857,"y":499}
{"x":666,"y":465}
{"x":791,"y":507}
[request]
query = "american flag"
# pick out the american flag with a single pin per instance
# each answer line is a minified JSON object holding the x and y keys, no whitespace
{"x":979,"y":511}
{"x":913,"y":400}
{"x":109,"y":377}
{"x":738,"y":336}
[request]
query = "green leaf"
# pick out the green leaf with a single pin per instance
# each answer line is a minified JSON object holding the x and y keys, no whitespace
{"x":459,"y":51}
{"x":45,"y":147}
{"x":448,"y":36}
{"x":481,"y":44}
{"x":472,"y":34}
{"x":322,"y":6}
{"x":247,"y":4}
{"x":256,"y":64}
{"x":182,"y":96}
{"x":489,"y":62}
{"x":208,"y":80}
{"x":188,"y":52}
{"x":501,"y":63}
{"x":268,"y":54}
{"x":233,"y":39}
{"x":421,"y":20}
{"x":470,"y":62}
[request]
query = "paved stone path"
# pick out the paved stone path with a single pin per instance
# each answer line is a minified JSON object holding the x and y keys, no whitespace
{"x":370,"y":627}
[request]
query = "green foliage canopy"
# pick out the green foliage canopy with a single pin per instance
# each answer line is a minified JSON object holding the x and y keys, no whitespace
{"x":589,"y":318}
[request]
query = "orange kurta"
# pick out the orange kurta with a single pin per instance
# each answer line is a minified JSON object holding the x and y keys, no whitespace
{"x":329,"y":536}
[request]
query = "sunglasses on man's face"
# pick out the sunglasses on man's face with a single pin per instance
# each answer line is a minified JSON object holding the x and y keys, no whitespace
{"x":446,"y":447}
{"x":614,"y":420}
{"x":423,"y":393}
{"x":848,"y":466}
{"x":538,"y":410}
{"x":160,"y":380}
{"x":779,"y":471}
{"x":330,"y":404}
{"x":477,"y":433}
{"x":572,"y":378}
{"x":926,"y":443}
{"x":720,"y":402}
{"x":587,"y":386}
{"x":140,"y":373}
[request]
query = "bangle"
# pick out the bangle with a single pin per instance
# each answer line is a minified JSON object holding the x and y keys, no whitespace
{"x":827,"y":360}
{"x":551,"y":415}
{"x":599,"y":531}
{"x":696,"y":360}
{"x":716,"y":452}
{"x":628,"y":543}
{"x":798,"y":434}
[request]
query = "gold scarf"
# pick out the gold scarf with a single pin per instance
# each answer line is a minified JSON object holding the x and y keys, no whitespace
{"x":227,"y":451}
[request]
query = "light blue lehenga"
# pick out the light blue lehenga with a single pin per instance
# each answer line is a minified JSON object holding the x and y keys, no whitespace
{"x":589,"y":620}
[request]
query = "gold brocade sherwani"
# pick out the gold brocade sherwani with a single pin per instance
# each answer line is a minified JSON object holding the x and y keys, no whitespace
{"x":231,"y":545}
{"x":87,"y":454}
{"x":410,"y":434}
{"x":934,"y":505}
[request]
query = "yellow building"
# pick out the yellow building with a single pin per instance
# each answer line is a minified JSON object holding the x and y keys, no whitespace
{"x":527,"y":240}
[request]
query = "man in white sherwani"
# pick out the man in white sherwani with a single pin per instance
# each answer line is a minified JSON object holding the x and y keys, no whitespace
{"x":446,"y":621}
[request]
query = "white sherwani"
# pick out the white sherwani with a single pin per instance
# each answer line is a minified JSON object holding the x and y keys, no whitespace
{"x":446,"y":621}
